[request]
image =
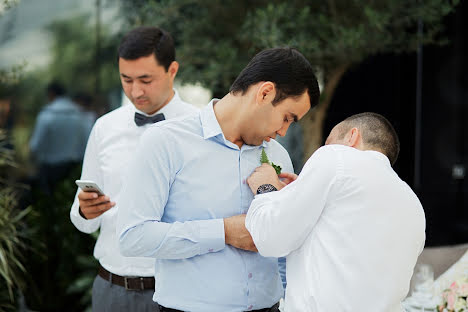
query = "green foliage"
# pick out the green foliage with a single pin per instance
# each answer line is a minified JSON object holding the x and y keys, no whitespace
{"x":73,"y":64}
{"x":264,"y":160}
{"x":14,"y":234}
{"x":277,"y":168}
{"x":12,"y":75}
{"x":74,"y":61}
{"x":66,"y":270}
{"x":215,"y":39}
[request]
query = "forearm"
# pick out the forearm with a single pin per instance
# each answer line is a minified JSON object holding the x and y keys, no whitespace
{"x":177,"y":240}
{"x":266,"y":229}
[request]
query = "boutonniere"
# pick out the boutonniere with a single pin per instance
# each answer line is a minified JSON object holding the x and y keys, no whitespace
{"x":264,"y":160}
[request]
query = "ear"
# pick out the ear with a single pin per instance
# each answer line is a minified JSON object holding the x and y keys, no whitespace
{"x":354,"y":138}
{"x":173,"y":68}
{"x":266,"y":93}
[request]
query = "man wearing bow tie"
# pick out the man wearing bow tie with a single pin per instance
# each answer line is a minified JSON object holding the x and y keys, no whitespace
{"x":147,"y":70}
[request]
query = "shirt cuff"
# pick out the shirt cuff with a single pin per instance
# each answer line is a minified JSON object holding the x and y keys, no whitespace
{"x":82,"y":224}
{"x":211,"y":236}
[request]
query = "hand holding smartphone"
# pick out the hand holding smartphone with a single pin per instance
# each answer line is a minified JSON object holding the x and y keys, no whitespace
{"x":89,"y":186}
{"x":90,"y":206}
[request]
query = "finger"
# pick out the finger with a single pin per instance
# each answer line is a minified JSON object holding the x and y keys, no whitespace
{"x":97,"y":208}
{"x":95,"y":201}
{"x":288,"y":175}
{"x":87,"y":195}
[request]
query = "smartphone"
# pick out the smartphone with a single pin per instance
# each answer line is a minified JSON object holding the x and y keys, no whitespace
{"x":89,"y":186}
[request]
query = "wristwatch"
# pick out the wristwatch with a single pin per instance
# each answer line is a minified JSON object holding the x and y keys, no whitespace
{"x":266,"y":188}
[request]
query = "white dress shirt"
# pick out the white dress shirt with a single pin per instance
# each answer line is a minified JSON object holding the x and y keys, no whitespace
{"x":112,"y":142}
{"x":351,"y":229}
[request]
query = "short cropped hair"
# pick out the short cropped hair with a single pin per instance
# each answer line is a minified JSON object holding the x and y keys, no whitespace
{"x":377,"y":132}
{"x":144,"y":41}
{"x":56,"y":88}
{"x":287,"y":68}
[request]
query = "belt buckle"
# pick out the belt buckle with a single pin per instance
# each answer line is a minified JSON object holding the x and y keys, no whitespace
{"x":126,"y":279}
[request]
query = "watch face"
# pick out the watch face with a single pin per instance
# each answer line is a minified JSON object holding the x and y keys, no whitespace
{"x":266,"y":188}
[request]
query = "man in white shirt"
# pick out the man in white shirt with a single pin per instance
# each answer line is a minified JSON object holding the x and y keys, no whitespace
{"x":147,"y":69}
{"x":350,"y":228}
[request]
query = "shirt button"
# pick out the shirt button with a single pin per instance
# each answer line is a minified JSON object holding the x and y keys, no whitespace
{"x":250,"y":307}
{"x":250,"y":275}
{"x":210,"y":250}
{"x":243,"y":181}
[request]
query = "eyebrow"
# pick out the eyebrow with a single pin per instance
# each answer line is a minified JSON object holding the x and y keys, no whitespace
{"x":139,"y":77}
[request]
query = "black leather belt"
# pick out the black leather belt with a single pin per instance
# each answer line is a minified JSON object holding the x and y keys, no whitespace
{"x":129,"y":282}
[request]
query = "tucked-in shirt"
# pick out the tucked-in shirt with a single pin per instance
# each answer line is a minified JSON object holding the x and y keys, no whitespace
{"x":351,"y":229}
{"x":112,"y":142}
{"x":185,"y":178}
{"x":60,"y":133}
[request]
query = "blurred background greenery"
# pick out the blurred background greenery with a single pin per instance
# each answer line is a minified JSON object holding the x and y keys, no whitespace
{"x":46,"y":263}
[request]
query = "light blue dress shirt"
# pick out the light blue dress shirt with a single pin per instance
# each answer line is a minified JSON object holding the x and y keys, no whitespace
{"x":184,"y":179}
{"x":60,"y":133}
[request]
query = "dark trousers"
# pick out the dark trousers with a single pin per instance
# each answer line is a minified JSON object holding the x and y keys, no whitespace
{"x":108,"y":297}
{"x":274,"y":308}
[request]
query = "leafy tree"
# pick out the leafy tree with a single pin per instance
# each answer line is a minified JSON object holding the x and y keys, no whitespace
{"x":14,"y":234}
{"x":215,"y":39}
{"x":74,"y":60}
{"x":64,"y":270}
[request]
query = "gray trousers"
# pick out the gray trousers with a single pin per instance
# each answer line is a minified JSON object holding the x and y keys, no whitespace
{"x":108,"y":297}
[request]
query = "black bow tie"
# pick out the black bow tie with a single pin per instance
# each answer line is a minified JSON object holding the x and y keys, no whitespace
{"x":142,"y":120}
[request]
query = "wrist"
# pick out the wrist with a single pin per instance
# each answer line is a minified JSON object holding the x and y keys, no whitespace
{"x":81,"y":213}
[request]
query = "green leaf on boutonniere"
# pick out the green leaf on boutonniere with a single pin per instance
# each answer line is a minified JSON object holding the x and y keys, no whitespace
{"x":264,"y":160}
{"x":277,"y":168}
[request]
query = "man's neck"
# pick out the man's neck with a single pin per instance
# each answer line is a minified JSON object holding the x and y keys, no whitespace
{"x":228,"y":112}
{"x":169,"y":99}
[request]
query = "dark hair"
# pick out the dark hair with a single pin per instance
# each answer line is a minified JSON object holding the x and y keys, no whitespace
{"x":56,"y":88}
{"x":144,"y":41}
{"x":376,"y":131}
{"x":287,"y":68}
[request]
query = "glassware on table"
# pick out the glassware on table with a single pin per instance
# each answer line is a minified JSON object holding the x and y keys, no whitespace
{"x":422,"y":298}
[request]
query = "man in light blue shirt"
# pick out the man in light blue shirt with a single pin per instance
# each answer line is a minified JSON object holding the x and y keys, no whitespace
{"x":59,"y":138}
{"x":185,"y":196}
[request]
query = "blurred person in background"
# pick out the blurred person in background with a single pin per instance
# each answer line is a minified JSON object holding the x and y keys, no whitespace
{"x":147,"y":68}
{"x":59,"y":138}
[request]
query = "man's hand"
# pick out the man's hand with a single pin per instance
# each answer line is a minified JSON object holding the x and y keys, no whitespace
{"x":92,"y":205}
{"x":265,"y":174}
{"x":237,"y":235}
{"x":287,"y":178}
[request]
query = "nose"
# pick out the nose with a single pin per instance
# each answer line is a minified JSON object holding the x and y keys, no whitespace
{"x":283,"y":130}
{"x":137,"y":90}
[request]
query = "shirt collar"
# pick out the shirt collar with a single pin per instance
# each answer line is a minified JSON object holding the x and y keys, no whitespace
{"x":211,"y":127}
{"x":209,"y":123}
{"x":379,"y":156}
